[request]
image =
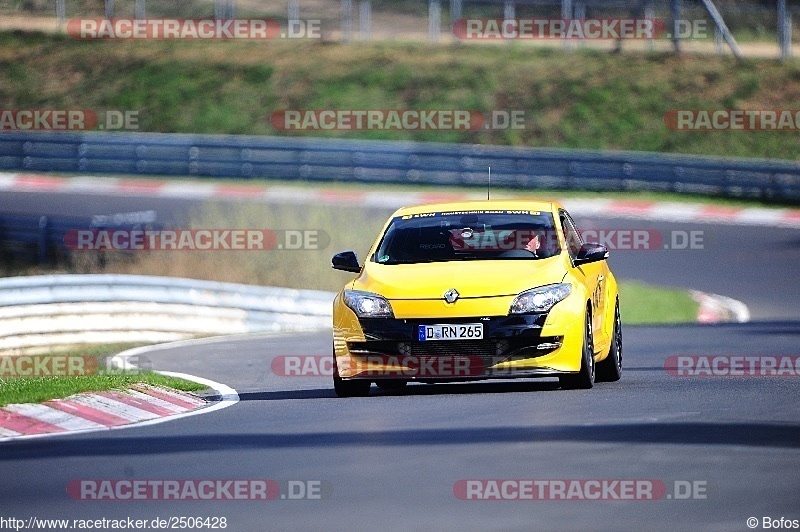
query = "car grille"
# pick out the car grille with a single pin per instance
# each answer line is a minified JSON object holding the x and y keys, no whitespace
{"x":480,"y":348}
{"x":490,"y":352}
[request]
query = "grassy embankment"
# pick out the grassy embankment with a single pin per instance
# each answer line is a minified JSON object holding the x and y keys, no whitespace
{"x":586,"y":99}
{"x":14,"y":389}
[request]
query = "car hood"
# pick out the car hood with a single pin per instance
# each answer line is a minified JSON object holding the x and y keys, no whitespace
{"x":477,"y":278}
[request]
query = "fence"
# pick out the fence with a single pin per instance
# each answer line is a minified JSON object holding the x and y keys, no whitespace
{"x":320,"y":160}
{"x":751,"y":21}
{"x":47,"y":310}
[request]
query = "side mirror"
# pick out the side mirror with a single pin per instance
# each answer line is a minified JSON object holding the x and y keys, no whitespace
{"x":346,"y":261}
{"x":591,"y":253}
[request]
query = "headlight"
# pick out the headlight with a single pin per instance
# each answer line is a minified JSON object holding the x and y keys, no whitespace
{"x":540,"y":299}
{"x":368,"y":305}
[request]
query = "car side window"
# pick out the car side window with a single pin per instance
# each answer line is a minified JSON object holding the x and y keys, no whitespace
{"x":571,"y":234}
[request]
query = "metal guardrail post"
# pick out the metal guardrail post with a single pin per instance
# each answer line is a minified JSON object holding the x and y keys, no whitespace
{"x":509,"y":13}
{"x":566,"y":13}
{"x":61,"y":12}
{"x":580,"y":13}
{"x":365,"y":20}
{"x":784,"y":30}
{"x":347,"y":20}
{"x":292,"y":15}
{"x":224,"y":9}
{"x":649,"y":14}
{"x":455,"y":12}
{"x":42,"y":239}
{"x":676,"y":7}
{"x":434,"y":20}
{"x":509,"y":10}
{"x":140,"y":10}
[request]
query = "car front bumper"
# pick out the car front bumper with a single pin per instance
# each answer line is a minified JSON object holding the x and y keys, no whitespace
{"x":527,"y":345}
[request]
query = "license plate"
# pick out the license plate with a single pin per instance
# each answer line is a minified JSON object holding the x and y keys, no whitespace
{"x":461,"y":331}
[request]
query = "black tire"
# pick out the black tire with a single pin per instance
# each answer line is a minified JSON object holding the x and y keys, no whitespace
{"x":391,"y":384}
{"x":610,"y":369}
{"x":584,"y":379}
{"x":348,"y":388}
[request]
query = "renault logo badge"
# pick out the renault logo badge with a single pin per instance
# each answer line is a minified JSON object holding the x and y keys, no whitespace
{"x":451,"y":295}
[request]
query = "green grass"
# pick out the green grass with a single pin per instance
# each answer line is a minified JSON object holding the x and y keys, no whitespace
{"x":39,"y":389}
{"x":586,"y":99}
{"x":647,"y":304}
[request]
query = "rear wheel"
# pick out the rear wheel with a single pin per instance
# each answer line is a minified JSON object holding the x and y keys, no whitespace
{"x":610,"y":369}
{"x":584,"y":379}
{"x":348,"y":388}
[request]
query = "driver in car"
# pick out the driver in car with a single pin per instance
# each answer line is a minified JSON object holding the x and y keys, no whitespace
{"x":534,"y":241}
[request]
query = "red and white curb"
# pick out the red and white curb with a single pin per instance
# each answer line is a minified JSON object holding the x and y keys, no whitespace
{"x":137,"y":406}
{"x":715,"y":308}
{"x":642,"y":210}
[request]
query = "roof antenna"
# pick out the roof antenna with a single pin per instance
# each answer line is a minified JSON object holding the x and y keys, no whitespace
{"x":489,"y":188}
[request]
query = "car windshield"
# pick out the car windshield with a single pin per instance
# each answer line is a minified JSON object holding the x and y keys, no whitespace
{"x":468,"y":235}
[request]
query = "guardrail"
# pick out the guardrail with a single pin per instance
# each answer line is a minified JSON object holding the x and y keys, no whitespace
{"x":311,"y":159}
{"x":48,"y":310}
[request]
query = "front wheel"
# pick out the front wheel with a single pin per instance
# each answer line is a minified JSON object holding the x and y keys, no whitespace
{"x":610,"y":369}
{"x":584,"y":379}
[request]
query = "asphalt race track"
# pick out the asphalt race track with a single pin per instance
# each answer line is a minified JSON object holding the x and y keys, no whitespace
{"x":398,"y":461}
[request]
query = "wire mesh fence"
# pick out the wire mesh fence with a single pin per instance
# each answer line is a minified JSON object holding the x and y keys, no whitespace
{"x":758,"y":27}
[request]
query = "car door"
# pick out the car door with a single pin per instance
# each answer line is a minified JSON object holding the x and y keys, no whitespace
{"x":592,"y":276}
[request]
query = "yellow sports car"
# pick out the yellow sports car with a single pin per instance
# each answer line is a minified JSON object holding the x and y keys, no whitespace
{"x":477,"y":290}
